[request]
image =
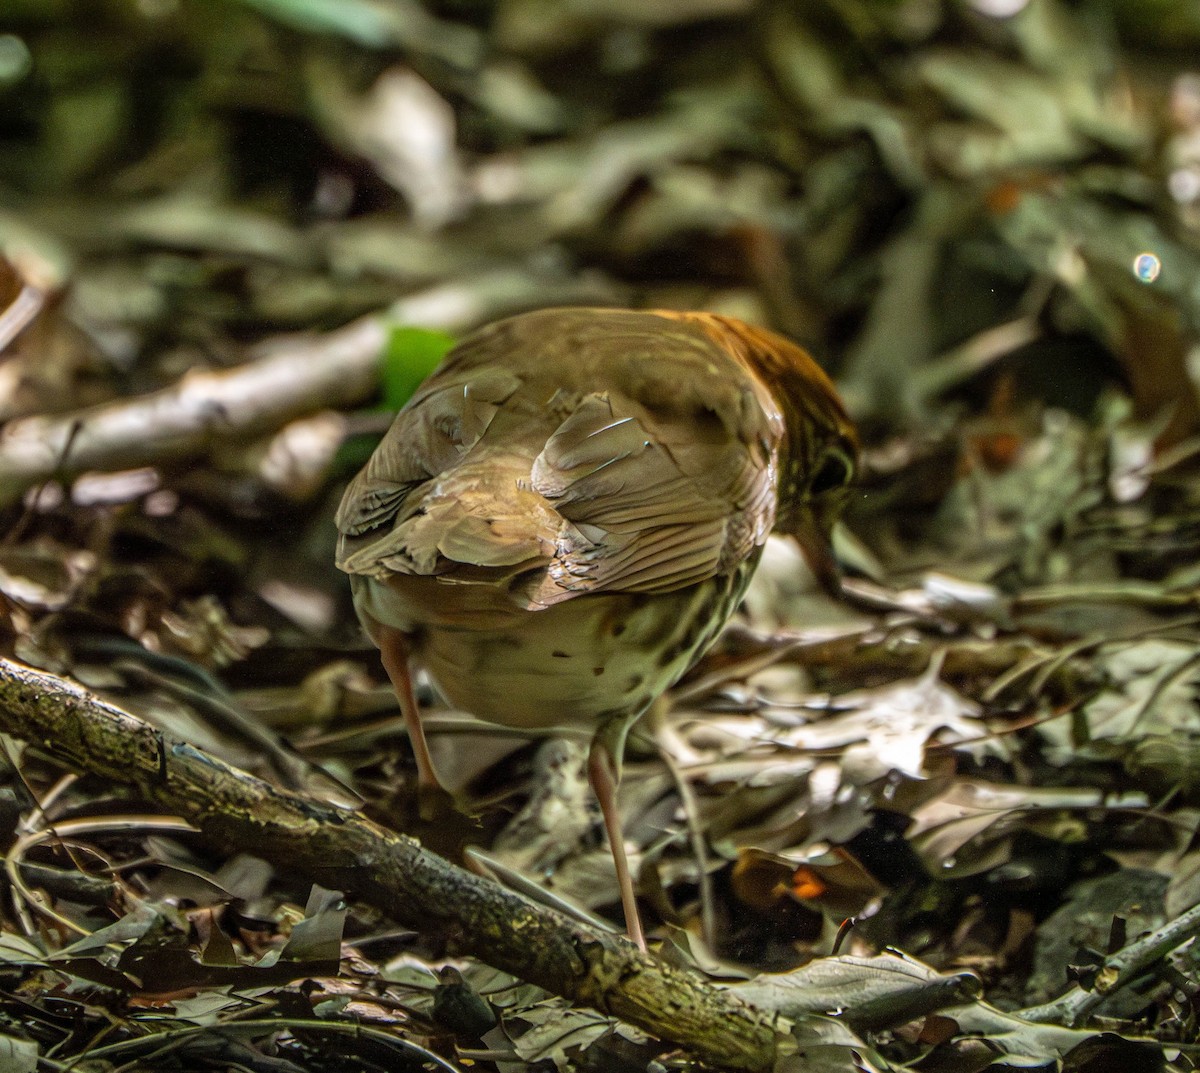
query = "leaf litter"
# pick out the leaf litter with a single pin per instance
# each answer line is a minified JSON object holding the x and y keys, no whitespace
{"x":984,"y":222}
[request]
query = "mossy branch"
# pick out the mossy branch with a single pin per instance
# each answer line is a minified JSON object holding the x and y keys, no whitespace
{"x":343,"y":850}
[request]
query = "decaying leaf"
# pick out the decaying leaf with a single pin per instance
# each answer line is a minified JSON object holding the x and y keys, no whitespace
{"x":236,"y":237}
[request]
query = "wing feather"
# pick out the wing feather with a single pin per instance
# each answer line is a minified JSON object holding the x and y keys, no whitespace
{"x":568,"y":452}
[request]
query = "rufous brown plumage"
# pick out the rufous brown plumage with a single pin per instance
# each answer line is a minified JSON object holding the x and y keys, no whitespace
{"x":567,"y":512}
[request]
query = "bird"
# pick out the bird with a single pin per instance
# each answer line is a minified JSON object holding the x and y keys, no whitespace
{"x":562,"y":518}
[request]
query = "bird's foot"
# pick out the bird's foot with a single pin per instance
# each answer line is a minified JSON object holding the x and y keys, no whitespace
{"x":434,"y":803}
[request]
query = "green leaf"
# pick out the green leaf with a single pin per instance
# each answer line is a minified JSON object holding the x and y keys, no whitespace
{"x":409,"y":356}
{"x":360,"y":21}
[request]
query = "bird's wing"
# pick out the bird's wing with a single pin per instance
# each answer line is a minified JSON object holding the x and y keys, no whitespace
{"x":569,"y":452}
{"x":667,"y":479}
{"x":430,"y":437}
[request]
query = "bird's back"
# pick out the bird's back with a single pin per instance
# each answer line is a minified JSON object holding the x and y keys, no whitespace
{"x":560,"y":454}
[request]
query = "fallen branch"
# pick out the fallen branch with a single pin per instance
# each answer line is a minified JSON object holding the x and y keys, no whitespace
{"x":343,"y":850}
{"x":208,"y":408}
{"x":1120,"y":969}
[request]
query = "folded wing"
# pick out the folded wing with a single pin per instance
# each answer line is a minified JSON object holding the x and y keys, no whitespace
{"x":644,"y":465}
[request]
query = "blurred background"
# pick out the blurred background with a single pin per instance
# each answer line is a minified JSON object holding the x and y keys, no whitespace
{"x":887,"y":181}
{"x":235,"y":234}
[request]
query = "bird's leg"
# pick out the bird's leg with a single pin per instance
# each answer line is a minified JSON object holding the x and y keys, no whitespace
{"x":393,"y":650}
{"x":604,"y":773}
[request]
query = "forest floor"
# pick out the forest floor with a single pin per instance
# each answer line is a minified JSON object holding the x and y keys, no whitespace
{"x":944,"y":822}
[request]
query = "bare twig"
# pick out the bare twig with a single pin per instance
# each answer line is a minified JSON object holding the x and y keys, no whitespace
{"x":20,"y":314}
{"x":15,"y":858}
{"x":208,"y":408}
{"x":974,"y":355}
{"x":1119,"y":970}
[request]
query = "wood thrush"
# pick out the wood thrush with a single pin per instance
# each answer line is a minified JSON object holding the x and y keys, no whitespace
{"x":566,"y":513}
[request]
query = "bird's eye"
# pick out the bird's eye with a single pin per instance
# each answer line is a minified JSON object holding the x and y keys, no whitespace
{"x":833,"y":471}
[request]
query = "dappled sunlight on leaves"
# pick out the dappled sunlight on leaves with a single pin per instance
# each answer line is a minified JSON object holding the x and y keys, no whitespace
{"x":930,"y":822}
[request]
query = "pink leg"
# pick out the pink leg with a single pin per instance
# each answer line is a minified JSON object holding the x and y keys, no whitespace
{"x":602,"y":772}
{"x":393,"y":650}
